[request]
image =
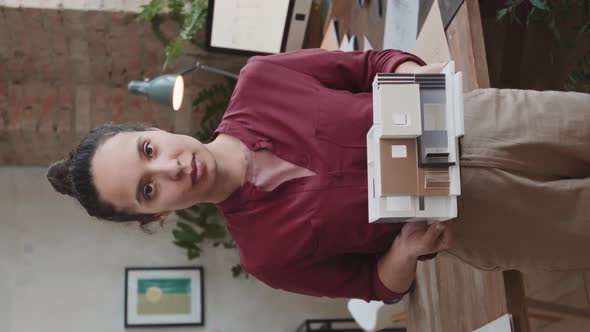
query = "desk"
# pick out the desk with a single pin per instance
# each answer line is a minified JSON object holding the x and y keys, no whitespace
{"x":450,"y":295}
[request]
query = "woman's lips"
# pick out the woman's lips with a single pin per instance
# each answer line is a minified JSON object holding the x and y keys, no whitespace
{"x":194,"y":171}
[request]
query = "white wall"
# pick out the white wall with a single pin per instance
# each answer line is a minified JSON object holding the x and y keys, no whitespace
{"x":62,"y":271}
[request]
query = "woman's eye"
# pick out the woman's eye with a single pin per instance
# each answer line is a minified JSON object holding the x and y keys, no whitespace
{"x":148,"y":191}
{"x":148,"y":149}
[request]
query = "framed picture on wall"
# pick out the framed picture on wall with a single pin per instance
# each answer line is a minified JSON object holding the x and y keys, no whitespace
{"x":167,"y":296}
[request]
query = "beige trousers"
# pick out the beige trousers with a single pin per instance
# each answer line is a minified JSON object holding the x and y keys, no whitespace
{"x":525,"y":172}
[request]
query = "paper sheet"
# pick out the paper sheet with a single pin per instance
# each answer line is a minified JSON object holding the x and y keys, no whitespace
{"x":238,"y":25}
{"x":347,"y":44}
{"x":502,"y":324}
{"x":344,"y":45}
{"x":431,"y":44}
{"x":330,"y":41}
{"x":354,"y":45}
{"x":366,"y":44}
{"x":401,"y":24}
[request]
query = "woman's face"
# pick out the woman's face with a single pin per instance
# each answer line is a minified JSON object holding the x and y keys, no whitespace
{"x":153,"y":171}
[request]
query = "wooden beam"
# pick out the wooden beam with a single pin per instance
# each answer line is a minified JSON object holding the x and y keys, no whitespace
{"x":515,"y":300}
{"x":587,"y":286}
{"x":478,"y":44}
{"x":466,"y":43}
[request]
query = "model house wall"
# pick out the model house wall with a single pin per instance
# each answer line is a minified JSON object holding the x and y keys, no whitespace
{"x":412,"y":147}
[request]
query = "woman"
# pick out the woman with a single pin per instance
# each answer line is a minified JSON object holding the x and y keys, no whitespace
{"x":287,"y":168}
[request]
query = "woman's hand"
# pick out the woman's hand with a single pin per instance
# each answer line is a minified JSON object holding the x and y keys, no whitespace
{"x":410,"y":67}
{"x":397,"y":267}
{"x":418,"y":238}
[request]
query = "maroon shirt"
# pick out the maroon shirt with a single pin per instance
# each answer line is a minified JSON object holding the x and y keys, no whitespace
{"x":310,"y":235}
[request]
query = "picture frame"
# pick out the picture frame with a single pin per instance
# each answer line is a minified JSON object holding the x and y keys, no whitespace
{"x":164,"y":296}
{"x":230,"y":27}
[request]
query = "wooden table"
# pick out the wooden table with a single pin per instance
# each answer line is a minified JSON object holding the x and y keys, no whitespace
{"x":450,"y":295}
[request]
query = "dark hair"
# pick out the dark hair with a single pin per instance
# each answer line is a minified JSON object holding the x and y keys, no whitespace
{"x":73,"y":176}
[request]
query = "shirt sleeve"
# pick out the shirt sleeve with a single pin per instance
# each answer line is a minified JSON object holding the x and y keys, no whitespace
{"x":343,"y":276}
{"x":352,"y":71}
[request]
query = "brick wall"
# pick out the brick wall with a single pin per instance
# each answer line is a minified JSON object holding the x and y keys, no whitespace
{"x":64,"y":68}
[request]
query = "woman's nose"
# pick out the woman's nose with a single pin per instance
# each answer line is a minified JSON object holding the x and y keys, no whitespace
{"x":169,"y":168}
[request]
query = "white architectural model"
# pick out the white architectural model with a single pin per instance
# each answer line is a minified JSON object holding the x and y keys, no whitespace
{"x":412,"y":147}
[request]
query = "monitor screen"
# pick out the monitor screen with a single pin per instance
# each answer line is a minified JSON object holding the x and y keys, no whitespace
{"x":251,"y":26}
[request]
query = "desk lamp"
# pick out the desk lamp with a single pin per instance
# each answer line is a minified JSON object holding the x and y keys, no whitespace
{"x":169,"y":89}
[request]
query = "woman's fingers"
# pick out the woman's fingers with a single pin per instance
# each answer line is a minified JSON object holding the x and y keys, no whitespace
{"x":411,"y":227}
{"x":448,"y":237}
{"x":410,"y":67}
{"x":419,"y":238}
{"x":432,"y":237}
{"x":450,"y":234}
{"x":433,"y":68}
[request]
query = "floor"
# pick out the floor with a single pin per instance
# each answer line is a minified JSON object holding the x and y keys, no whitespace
{"x":565,"y":288}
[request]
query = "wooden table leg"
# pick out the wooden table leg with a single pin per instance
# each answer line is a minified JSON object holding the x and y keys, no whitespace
{"x":515,"y":300}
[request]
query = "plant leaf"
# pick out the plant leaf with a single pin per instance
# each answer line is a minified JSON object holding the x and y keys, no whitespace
{"x":182,"y":236}
{"x":187,"y":233}
{"x":584,"y":28}
{"x":501,"y":13}
{"x":229,"y":244}
{"x":150,"y":10}
{"x":187,"y":214}
{"x":175,"y":7}
{"x":530,"y":15}
{"x":554,"y":30}
{"x":186,"y":245}
{"x":238,"y":270}
{"x":173,"y":51}
{"x":541,"y":4}
{"x":194,"y":253}
{"x":214,"y":231}
{"x":193,"y":22}
{"x":195,"y":215}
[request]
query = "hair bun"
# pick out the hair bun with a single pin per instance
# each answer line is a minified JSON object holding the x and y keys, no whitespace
{"x":58,"y":176}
